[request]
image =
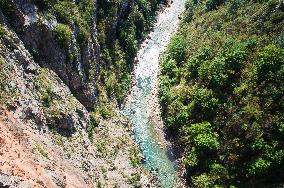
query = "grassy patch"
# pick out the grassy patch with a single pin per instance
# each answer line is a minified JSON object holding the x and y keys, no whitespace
{"x":3,"y":31}
{"x":63,"y":35}
{"x":134,"y":180}
{"x":134,"y":156}
{"x":41,"y":150}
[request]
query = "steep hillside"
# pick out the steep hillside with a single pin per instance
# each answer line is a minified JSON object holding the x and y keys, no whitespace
{"x":222,"y":92}
{"x":90,"y":45}
{"x":45,"y":134}
{"x":62,"y":63}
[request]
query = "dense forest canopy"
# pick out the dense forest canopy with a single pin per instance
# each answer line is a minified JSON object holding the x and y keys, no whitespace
{"x":222,"y":91}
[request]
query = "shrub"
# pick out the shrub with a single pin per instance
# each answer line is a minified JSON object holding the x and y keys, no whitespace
{"x":104,"y":111}
{"x":41,"y":150}
{"x":202,"y":181}
{"x":279,"y":40}
{"x":3,"y":31}
{"x":177,"y":49}
{"x":222,"y":69}
{"x":178,"y":114}
{"x":259,"y":166}
{"x":214,"y":73}
{"x":191,"y":159}
{"x":213,"y":4}
{"x":65,"y":11}
{"x":169,"y":68}
{"x":237,"y":86}
{"x":270,"y":63}
{"x":63,"y":35}
{"x":94,"y":122}
{"x":196,"y":61}
{"x":203,"y":103}
{"x":202,"y":137}
{"x":188,"y":13}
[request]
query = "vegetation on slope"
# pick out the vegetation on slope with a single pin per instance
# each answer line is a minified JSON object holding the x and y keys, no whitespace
{"x":118,"y":26}
{"x":121,"y":26}
{"x":222,"y":92}
{"x":119,"y":37}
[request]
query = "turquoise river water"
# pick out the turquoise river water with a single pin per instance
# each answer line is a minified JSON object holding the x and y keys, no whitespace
{"x":142,"y":104}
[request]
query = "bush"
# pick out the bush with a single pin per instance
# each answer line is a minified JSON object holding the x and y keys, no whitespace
{"x":94,"y":122}
{"x":214,"y":73}
{"x":203,"y":103}
{"x":177,"y":49}
{"x":258,"y":167}
{"x":236,"y":85}
{"x":279,"y":40}
{"x":202,"y":181}
{"x":65,"y":11}
{"x":63,"y":35}
{"x":169,"y":68}
{"x":3,"y":31}
{"x":196,"y":61}
{"x":221,"y":71}
{"x":178,"y":114}
{"x":202,"y":137}
{"x":270,"y":63}
{"x":104,"y":111}
{"x":191,"y":160}
{"x":213,"y":4}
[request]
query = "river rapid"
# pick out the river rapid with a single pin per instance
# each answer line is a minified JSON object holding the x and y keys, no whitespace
{"x":142,"y":104}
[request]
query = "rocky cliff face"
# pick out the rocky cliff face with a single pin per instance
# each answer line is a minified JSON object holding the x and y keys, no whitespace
{"x":37,"y":32}
{"x":63,"y":37}
{"x":43,"y":130}
{"x":57,"y":60}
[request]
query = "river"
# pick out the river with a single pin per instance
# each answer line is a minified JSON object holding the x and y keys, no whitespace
{"x":142,"y":104}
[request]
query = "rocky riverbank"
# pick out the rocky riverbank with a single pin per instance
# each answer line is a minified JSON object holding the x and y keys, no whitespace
{"x":142,"y":105}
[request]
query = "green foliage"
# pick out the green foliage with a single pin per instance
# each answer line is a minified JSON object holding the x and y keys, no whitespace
{"x":3,"y":32}
{"x":94,"y":122}
{"x":170,"y":68}
{"x":119,"y":42}
{"x":259,"y":166}
{"x":270,"y":64}
{"x":202,"y":137}
{"x":8,"y":95}
{"x":191,"y":159}
{"x":196,"y":61}
{"x":65,"y":11}
{"x":221,"y":93}
{"x":177,"y":48}
{"x":134,"y":180}
{"x":213,"y":4}
{"x":279,"y":40}
{"x":47,"y":97}
{"x":134,"y":156}
{"x":63,"y":35}
{"x":203,"y":101}
{"x":41,"y":150}
{"x":104,"y":111}
{"x":223,"y":68}
{"x":202,"y":181}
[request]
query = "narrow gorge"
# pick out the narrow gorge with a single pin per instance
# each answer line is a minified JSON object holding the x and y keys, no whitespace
{"x":142,"y":105}
{"x":142,"y":93}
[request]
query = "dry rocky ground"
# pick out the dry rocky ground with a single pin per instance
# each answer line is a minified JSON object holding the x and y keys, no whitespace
{"x":34,"y":158}
{"x":44,"y":139}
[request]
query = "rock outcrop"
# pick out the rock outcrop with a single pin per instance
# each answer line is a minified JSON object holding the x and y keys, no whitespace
{"x":52,"y":60}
